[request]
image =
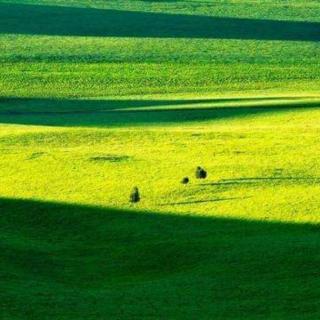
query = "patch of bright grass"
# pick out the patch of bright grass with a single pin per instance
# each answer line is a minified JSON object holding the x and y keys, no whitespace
{"x":97,"y":97}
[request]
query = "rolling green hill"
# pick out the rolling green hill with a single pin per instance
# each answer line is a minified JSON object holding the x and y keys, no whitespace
{"x":97,"y":97}
{"x":99,"y":48}
{"x":74,"y":262}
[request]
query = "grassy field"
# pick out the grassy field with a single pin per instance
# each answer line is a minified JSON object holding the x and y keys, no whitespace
{"x":97,"y":97}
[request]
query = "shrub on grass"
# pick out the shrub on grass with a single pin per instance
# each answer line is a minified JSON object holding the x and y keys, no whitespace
{"x":135,"y":195}
{"x":201,"y":173}
{"x":185,"y":180}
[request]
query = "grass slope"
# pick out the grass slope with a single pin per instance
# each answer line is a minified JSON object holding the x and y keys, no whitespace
{"x":155,"y":47}
{"x":74,"y":262}
{"x":261,"y":155}
{"x":99,"y":96}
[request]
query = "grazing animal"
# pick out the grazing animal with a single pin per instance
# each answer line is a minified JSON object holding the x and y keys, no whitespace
{"x":201,"y":173}
{"x":185,"y":180}
{"x":135,"y":195}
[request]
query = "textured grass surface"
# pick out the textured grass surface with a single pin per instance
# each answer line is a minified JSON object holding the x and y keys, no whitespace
{"x":73,"y":262}
{"x":145,"y":47}
{"x":262,"y":160}
{"x":99,"y":96}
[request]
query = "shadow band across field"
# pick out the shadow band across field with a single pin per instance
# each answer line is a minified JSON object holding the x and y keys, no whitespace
{"x":256,"y":181}
{"x":79,"y":262}
{"x":72,"y":21}
{"x":119,"y":113}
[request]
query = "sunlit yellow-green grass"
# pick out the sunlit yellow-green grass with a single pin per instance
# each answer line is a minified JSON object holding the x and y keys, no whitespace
{"x":262,"y":161}
{"x":97,"y":97}
{"x":72,"y":247}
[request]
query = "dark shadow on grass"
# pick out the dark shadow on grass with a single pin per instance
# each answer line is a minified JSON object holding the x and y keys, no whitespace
{"x":201,"y":201}
{"x":71,"y":21}
{"x":118,"y":113}
{"x":263,"y":180}
{"x":77,"y":262}
{"x":21,"y":106}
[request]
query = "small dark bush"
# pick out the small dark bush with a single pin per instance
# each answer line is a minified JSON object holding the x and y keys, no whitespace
{"x":201,"y":173}
{"x":135,"y":195}
{"x":185,"y":180}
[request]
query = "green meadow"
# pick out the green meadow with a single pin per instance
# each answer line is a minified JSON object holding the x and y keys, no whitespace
{"x":97,"y":97}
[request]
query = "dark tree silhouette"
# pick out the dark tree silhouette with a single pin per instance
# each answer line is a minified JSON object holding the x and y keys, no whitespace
{"x":201,"y":173}
{"x":135,"y":195}
{"x":185,"y":180}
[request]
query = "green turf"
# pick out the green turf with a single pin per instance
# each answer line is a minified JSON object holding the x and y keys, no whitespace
{"x":156,"y":47}
{"x":99,"y":96}
{"x":72,"y":262}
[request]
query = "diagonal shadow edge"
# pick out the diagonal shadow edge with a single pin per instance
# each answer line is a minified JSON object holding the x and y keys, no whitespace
{"x":70,"y":21}
{"x":119,"y":113}
{"x":112,"y":252}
